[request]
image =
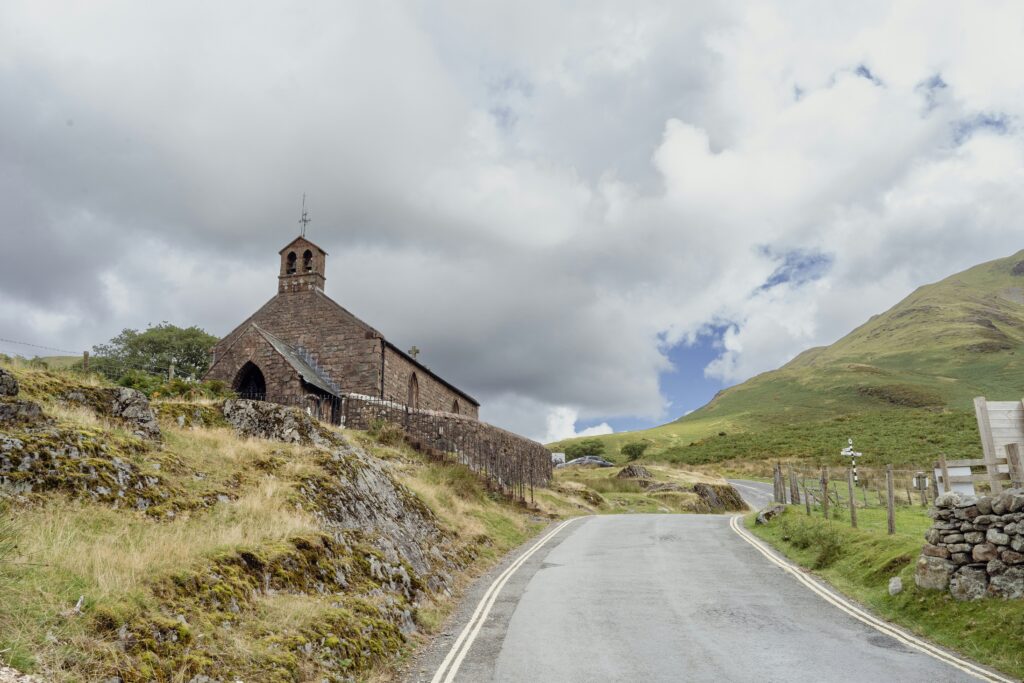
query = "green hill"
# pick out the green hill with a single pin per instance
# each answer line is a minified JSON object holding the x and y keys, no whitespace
{"x":901,"y":384}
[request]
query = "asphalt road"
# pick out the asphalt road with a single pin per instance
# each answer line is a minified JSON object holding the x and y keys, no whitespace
{"x":667,"y":598}
{"x":756,"y":494}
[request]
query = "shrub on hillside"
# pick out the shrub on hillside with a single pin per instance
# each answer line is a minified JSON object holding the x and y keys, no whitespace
{"x":903,"y":395}
{"x":634,"y":449}
{"x":387,"y":433}
{"x":156,"y":386}
{"x":584,"y":447}
{"x":143,"y":381}
{"x":154,"y":350}
{"x":804,"y":533}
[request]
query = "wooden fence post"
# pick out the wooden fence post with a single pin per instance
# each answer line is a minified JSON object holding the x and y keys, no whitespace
{"x":807,"y":499}
{"x":988,"y":447}
{"x":946,"y":486}
{"x":910,"y":499}
{"x":1016,"y":466}
{"x":794,"y":489}
{"x":824,"y":491}
{"x":853,"y":501}
{"x":891,"y":499}
{"x":781,"y":482}
{"x":924,"y":492}
{"x":780,"y":490}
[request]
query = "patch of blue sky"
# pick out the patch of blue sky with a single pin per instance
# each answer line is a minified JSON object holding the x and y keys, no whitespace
{"x":685,"y":385}
{"x":932,"y":88}
{"x":992,"y":122}
{"x":864,"y":72}
{"x":798,"y":267}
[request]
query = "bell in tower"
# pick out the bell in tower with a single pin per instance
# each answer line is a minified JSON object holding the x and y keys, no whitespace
{"x":302,"y":267}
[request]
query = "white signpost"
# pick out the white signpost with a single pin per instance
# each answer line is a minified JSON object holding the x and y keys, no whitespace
{"x":853,"y":455}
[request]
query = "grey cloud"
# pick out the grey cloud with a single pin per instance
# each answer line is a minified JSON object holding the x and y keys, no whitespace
{"x":540,"y":196}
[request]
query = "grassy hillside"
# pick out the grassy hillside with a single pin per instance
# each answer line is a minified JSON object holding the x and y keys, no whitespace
{"x":901,"y":384}
{"x":200,"y":553}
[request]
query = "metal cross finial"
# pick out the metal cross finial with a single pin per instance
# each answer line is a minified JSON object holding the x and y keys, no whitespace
{"x":414,"y":351}
{"x":304,"y":220}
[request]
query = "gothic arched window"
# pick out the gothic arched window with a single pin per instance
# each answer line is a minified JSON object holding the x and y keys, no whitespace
{"x":414,"y":392}
{"x":290,"y":270}
{"x":455,"y":407}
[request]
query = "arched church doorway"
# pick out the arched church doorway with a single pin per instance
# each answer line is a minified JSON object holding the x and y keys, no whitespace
{"x":249,"y":382}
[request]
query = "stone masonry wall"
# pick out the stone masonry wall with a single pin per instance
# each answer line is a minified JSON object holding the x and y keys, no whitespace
{"x":345,"y":347}
{"x":975,"y":546}
{"x":433,"y":395}
{"x":508,"y":458}
{"x":282,"y":383}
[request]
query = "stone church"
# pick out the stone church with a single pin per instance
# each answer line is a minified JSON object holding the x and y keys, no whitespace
{"x":302,"y":348}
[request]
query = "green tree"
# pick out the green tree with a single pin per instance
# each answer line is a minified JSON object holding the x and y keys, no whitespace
{"x":585,"y":447}
{"x":153,"y":350}
{"x":634,"y":449}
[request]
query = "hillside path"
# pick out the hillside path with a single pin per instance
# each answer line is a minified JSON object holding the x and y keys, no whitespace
{"x":665,"y":598}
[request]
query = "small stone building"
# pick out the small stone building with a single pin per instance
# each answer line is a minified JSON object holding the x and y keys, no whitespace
{"x":302,"y":348}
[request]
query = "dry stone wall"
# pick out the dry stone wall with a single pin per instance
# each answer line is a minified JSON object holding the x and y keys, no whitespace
{"x":513,"y":461}
{"x":975,"y":547}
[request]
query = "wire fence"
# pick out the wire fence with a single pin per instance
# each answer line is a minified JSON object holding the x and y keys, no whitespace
{"x":837,"y":492}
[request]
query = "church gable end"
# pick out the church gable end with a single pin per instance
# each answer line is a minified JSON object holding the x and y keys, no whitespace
{"x":345,"y":353}
{"x":253,"y":368}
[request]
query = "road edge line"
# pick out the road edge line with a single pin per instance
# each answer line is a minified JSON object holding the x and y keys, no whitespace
{"x":856,"y":612}
{"x":461,"y":645}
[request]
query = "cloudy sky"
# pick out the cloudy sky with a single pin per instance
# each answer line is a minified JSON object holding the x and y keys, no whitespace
{"x":589,"y":215}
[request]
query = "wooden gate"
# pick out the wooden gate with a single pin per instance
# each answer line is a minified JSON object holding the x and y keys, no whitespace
{"x":1001,"y":426}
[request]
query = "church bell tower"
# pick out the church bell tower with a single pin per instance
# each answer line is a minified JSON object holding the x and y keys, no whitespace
{"x":302,"y":267}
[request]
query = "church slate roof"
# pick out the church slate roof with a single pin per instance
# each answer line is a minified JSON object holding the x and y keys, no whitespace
{"x":310,"y":374}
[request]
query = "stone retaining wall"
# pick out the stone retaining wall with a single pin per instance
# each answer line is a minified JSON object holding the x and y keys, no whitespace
{"x":509,"y":459}
{"x":975,"y":546}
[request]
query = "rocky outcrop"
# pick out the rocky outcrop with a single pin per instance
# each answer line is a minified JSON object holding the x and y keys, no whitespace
{"x":975,"y":547}
{"x":360,"y":495}
{"x":263,"y":420}
{"x":720,"y":497}
{"x":15,"y":412}
{"x":9,"y":675}
{"x":634,"y":472}
{"x":84,"y":465}
{"x":8,"y":384}
{"x":19,"y":412}
{"x":128,"y":406}
{"x":132,"y":407}
{"x":769,"y":513}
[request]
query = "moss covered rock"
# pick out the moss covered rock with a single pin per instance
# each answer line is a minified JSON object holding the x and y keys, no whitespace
{"x":8,"y":384}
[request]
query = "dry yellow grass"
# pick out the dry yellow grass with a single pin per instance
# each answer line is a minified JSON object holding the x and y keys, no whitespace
{"x":111,"y":552}
{"x":69,"y":548}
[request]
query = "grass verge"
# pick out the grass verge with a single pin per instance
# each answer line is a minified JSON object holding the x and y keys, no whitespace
{"x":860,"y":562}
